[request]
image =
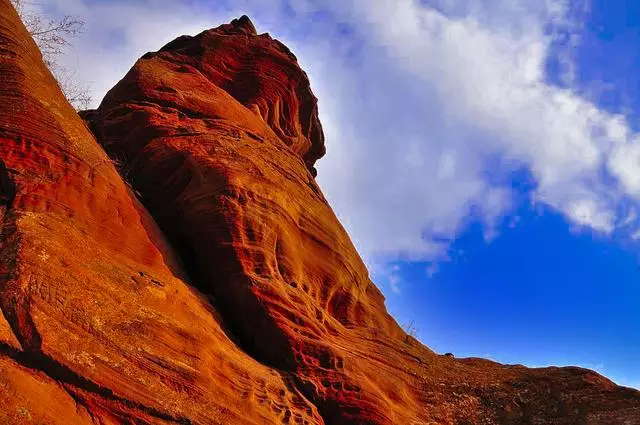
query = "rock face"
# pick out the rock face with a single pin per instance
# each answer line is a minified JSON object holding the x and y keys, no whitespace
{"x":246,"y":303}
{"x":98,"y":322}
{"x":241,"y":205}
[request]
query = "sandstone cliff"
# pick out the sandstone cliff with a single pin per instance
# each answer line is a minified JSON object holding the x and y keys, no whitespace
{"x":99,"y":322}
{"x":231,"y":294}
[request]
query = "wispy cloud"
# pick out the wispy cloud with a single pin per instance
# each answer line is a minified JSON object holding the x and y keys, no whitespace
{"x":467,"y":85}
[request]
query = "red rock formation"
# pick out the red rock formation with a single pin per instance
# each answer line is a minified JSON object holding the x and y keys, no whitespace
{"x":219,"y":134}
{"x":98,"y":323}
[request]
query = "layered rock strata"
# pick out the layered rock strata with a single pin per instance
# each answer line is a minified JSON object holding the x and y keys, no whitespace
{"x":230,"y":293}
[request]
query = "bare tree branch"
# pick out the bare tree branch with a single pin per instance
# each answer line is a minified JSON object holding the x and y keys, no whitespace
{"x":53,"y":37}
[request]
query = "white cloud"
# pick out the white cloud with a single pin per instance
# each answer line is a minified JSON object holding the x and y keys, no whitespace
{"x":395,"y":279}
{"x":432,"y":270}
{"x":587,"y":212}
{"x":415,"y":100}
{"x":475,"y":80}
{"x":624,"y":163}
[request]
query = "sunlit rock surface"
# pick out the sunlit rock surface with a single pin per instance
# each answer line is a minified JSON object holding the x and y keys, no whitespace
{"x":99,"y":322}
{"x":234,"y":295}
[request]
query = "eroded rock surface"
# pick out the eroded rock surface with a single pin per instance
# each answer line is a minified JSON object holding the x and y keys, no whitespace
{"x":219,"y":133}
{"x":99,"y":323}
{"x":248,"y":303}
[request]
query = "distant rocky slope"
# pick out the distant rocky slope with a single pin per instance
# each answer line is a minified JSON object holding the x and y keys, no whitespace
{"x":230,"y":293}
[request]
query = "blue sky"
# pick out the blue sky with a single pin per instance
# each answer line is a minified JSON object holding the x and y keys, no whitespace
{"x":483,"y":155}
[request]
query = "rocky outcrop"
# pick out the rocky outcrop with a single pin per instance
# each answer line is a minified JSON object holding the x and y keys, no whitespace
{"x":242,"y":206}
{"x":99,"y":323}
{"x":246,"y":303}
{"x":219,"y":133}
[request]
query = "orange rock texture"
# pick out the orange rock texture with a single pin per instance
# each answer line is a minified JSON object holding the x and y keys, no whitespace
{"x":99,"y":323}
{"x":246,"y":303}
